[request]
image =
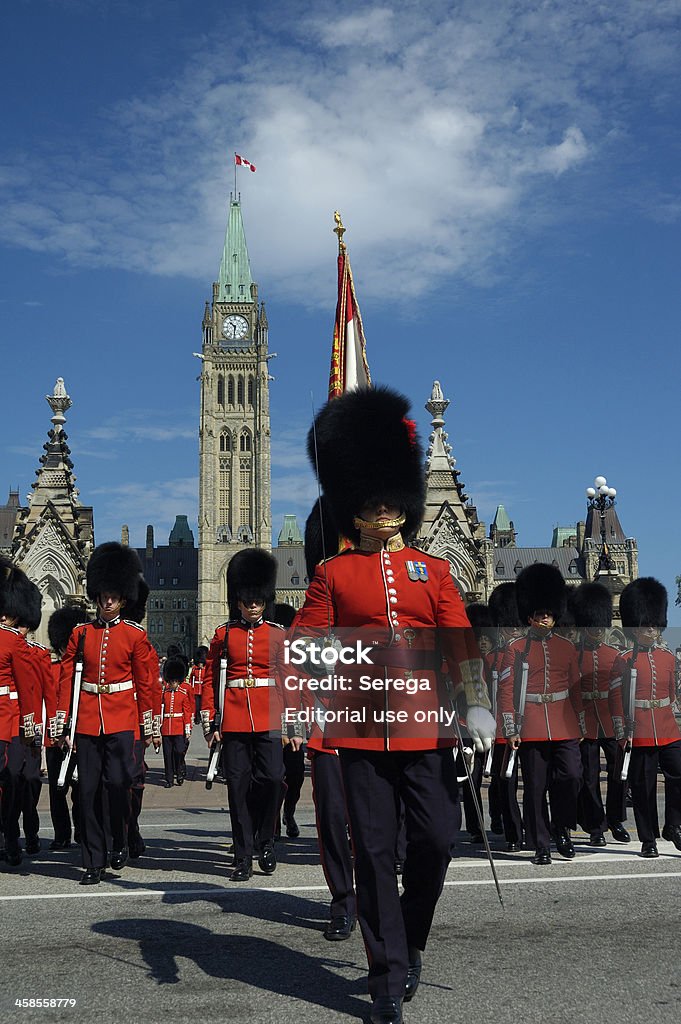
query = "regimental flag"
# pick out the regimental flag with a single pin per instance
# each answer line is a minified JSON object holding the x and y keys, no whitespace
{"x":349,"y":367}
{"x":241,"y":161}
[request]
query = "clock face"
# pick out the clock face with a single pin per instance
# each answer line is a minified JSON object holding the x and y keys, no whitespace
{"x":235,"y":327}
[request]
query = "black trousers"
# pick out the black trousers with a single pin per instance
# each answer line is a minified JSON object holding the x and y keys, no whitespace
{"x":59,"y":806}
{"x":294,"y":776}
{"x":508,"y":793}
{"x":31,"y":792}
{"x":252,"y":757}
{"x":173,"y":756}
{"x":104,"y":761}
{"x":139,"y":774}
{"x":594,"y":817}
{"x":374,"y":783}
{"x":643,"y":778}
{"x":331,"y":817}
{"x":470,"y":813}
{"x":12,"y":783}
{"x":552,"y":767}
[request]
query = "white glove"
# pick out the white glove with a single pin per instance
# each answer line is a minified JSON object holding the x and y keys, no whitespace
{"x":481,"y":727}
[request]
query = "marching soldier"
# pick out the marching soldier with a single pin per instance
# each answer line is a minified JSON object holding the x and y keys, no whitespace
{"x":244,"y":708}
{"x":591,"y":606}
{"x":177,"y":712}
{"x":32,"y":756}
{"x":480,"y":619}
{"x":542,"y":710}
{"x":59,"y":628}
{"x":196,"y":677}
{"x":642,"y":694}
{"x":504,"y":611}
{"x":405,"y":605}
{"x":116,"y":698}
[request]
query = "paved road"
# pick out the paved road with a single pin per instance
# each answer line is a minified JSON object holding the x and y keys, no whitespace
{"x":171,"y":939}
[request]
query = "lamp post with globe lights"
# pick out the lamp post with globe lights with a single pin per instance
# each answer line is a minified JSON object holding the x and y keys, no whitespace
{"x":600,"y":498}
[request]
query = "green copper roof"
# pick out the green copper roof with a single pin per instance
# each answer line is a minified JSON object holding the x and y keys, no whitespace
{"x":501,"y":520}
{"x":290,"y":534}
{"x":235,"y":278}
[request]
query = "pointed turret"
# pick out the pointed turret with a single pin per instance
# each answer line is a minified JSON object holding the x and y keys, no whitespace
{"x":234,"y":279}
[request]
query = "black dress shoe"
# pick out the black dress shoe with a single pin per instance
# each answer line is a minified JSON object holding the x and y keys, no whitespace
{"x":242,"y":870}
{"x":597,"y":839}
{"x":291,"y":825}
{"x":180,"y":780}
{"x":512,"y":847}
{"x":564,"y":844}
{"x":619,"y":832}
{"x":339,"y":928}
{"x":413,"y":973}
{"x":167,"y":785}
{"x":136,"y":847}
{"x":386,"y":1010}
{"x":672,"y":833}
{"x":60,"y":844}
{"x":476,"y":837}
{"x":542,"y":857}
{"x":267,"y":859}
{"x":496,"y":827}
{"x":32,"y":845}
{"x":13,"y":856}
{"x":119,"y":858}
{"x":92,"y":876}
{"x":649,"y":849}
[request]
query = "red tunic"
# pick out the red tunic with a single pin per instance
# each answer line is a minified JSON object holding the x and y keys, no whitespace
{"x":17,"y":678}
{"x":196,"y":676}
{"x":404,"y":604}
{"x":115,"y":654}
{"x":255,"y":654}
{"x":655,"y":685}
{"x":43,"y":682}
{"x":177,"y":711}
{"x":554,"y":709}
{"x":595,"y":666}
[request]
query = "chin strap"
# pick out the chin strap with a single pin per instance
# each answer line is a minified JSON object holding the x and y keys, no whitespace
{"x":392,"y":524}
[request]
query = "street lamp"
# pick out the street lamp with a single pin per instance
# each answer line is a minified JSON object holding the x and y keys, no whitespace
{"x":600,"y":498}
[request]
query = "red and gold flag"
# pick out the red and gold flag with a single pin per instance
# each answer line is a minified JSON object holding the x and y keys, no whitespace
{"x":349,"y":367}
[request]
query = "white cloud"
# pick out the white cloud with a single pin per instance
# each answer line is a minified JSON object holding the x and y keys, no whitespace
{"x":136,"y":425}
{"x":434,"y":132}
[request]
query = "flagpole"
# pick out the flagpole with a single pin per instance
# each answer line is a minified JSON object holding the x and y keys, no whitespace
{"x":235,"y":174}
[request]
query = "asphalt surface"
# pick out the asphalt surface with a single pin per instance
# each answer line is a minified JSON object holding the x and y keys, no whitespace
{"x":169,"y":938}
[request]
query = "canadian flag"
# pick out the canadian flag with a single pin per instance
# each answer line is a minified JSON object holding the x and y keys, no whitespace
{"x":240,"y":161}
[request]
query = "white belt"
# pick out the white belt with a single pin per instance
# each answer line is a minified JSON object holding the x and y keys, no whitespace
{"x":662,"y":702}
{"x":595,"y":695}
{"x":107,"y":687}
{"x":5,"y":690}
{"x":547,"y":698}
{"x":174,"y":714}
{"x":248,"y":683}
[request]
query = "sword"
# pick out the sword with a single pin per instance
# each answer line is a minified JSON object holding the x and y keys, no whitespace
{"x":487,"y":770}
{"x":75,"y":701}
{"x":474,"y":795}
{"x":216,"y":746}
{"x":631,"y":713}
{"x":520,"y":692}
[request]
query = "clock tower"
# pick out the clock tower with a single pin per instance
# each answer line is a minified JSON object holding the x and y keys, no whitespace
{"x":234,"y":432}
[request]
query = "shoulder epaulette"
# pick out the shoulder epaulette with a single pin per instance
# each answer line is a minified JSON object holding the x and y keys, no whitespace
{"x":39,"y":647}
{"x":10,"y":629}
{"x":129,"y":622}
{"x":277,"y":625}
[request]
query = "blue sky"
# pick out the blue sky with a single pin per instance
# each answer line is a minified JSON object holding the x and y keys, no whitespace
{"x":509,"y":176}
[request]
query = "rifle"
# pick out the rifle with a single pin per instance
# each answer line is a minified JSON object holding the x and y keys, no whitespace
{"x":216,"y":746}
{"x":487,"y":770}
{"x":522,"y":670}
{"x":75,"y":701}
{"x":630,"y":714}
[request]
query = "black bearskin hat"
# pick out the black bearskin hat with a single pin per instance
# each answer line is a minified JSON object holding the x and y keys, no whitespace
{"x":321,"y":535}
{"x":540,"y":587}
{"x":136,"y":610}
{"x":644,"y":603}
{"x":364,"y":450}
{"x":200,"y":655}
{"x":251,"y":576}
{"x":284,"y":614}
{"x":113,"y":569}
{"x":480,"y":619}
{"x":591,"y":605}
{"x":503,"y":606}
{"x":61,"y":624}
{"x":175,"y":669}
{"x":20,"y":599}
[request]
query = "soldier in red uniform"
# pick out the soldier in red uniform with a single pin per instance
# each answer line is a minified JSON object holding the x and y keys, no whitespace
{"x":116,"y":698}
{"x":546,"y":726}
{"x":196,"y":677}
{"x":591,"y":606}
{"x":404,"y":605}
{"x":59,"y":628}
{"x":643,"y":680}
{"x":252,"y":646}
{"x":32,"y":755}
{"x":19,"y":732}
{"x":177,"y":713}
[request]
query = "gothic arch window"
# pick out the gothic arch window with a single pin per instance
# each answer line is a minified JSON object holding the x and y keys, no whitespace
{"x":176,"y":626}
{"x":221,"y":390}
{"x":240,"y":391}
{"x":245,"y":441}
{"x":250,"y":389}
{"x":244,"y":534}
{"x":225,"y":441}
{"x":230,"y":390}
